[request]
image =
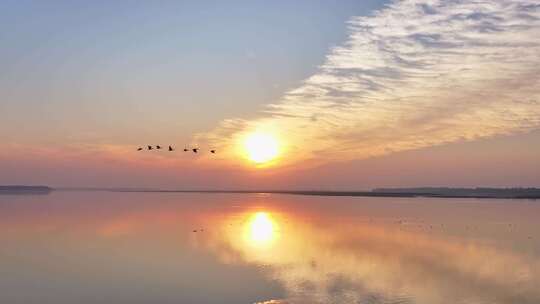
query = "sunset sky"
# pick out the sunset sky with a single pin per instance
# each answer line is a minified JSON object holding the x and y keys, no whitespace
{"x":291,"y":94}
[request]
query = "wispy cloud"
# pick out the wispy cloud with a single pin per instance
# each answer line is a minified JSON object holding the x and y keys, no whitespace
{"x":412,"y":75}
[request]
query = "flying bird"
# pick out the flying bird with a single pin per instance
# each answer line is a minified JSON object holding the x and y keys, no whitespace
{"x":149,"y":147}
{"x":195,"y":150}
{"x":139,"y":149}
{"x":171,"y":148}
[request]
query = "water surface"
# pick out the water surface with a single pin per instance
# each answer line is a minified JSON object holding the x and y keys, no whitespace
{"x":99,"y":247}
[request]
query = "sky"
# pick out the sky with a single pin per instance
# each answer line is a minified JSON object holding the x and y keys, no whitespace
{"x":354,"y":95}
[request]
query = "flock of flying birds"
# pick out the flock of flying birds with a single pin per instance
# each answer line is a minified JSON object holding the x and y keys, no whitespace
{"x":171,"y":149}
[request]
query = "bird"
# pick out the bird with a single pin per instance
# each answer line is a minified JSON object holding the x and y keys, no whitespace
{"x":149,"y":147}
{"x":195,"y":150}
{"x":186,"y":149}
{"x":213,"y":151}
{"x":139,"y":149}
{"x":158,"y":147}
{"x":171,"y":148}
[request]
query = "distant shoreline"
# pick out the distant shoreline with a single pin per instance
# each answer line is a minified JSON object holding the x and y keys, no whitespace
{"x":480,"y":193}
{"x":430,"y":192}
{"x":21,"y":189}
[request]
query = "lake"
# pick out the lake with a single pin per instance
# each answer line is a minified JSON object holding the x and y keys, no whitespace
{"x":107,"y":247}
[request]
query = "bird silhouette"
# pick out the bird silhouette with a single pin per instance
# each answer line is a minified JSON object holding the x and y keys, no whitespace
{"x":195,"y":150}
{"x":158,"y":147}
{"x":171,"y":148}
{"x":149,"y":147}
{"x":139,"y":149}
{"x":213,"y":151}
{"x":186,"y":149}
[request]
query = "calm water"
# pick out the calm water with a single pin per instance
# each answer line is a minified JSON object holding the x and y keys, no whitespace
{"x":91,"y":247}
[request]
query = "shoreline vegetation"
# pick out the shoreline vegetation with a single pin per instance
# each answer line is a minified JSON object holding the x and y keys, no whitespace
{"x":434,"y":192}
{"x":20,"y":189}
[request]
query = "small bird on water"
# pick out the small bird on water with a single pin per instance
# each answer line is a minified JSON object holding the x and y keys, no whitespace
{"x":158,"y":147}
{"x":139,"y":149}
{"x":213,"y":151}
{"x":195,"y":150}
{"x":149,"y":147}
{"x":171,"y":148}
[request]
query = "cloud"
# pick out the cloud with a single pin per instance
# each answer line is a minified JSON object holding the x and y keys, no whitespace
{"x":412,"y":75}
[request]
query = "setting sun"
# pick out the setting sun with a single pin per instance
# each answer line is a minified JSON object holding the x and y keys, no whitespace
{"x":261,"y":147}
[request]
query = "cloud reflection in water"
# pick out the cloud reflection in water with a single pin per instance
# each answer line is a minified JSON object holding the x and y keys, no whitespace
{"x":333,"y":260}
{"x":210,"y":248}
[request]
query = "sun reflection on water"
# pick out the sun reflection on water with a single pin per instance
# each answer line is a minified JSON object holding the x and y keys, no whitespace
{"x":260,"y":230}
{"x":372,"y":258}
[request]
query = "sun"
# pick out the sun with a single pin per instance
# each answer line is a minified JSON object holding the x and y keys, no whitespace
{"x":261,"y":147}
